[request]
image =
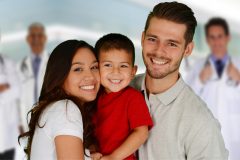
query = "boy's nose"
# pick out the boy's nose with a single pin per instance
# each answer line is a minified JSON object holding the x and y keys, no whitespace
{"x":115,"y":70}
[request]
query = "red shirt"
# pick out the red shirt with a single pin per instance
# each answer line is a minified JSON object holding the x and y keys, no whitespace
{"x":118,"y":113}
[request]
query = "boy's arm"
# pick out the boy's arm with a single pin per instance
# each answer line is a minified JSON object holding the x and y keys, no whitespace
{"x":138,"y":136}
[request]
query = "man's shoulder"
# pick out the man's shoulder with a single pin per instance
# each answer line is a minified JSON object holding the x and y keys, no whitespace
{"x":137,"y":81}
{"x":195,"y":105}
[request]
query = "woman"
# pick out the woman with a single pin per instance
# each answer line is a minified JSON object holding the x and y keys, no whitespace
{"x":60,"y":125}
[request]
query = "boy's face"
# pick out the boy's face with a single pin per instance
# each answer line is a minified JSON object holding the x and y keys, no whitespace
{"x":116,"y":69}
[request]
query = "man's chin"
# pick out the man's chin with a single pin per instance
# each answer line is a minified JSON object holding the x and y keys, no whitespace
{"x":156,"y":75}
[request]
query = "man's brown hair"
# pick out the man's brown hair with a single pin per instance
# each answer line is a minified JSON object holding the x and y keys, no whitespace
{"x":176,"y":12}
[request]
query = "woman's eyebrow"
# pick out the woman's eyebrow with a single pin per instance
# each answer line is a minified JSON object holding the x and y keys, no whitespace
{"x":81,"y":63}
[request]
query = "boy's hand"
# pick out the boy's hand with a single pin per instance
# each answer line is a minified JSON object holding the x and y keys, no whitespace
{"x":96,"y":156}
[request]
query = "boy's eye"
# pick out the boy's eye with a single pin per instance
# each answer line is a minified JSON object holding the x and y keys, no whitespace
{"x":124,"y":66}
{"x":107,"y":65}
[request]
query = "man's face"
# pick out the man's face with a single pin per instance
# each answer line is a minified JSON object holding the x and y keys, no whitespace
{"x":36,"y":39}
{"x":164,"y":47}
{"x":217,"y":40}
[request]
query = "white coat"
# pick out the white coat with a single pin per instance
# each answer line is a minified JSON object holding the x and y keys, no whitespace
{"x":9,"y":111}
{"x":222,"y":96}
{"x":27,"y":84}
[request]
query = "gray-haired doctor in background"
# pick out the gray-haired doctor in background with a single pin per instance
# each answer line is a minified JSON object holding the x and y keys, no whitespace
{"x":32,"y":69}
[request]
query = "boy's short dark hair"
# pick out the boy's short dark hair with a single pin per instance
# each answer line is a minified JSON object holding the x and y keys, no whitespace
{"x":176,"y":12}
{"x":217,"y":21}
{"x":115,"y":41}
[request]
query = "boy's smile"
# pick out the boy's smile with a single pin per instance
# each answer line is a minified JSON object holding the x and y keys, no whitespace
{"x":116,"y":69}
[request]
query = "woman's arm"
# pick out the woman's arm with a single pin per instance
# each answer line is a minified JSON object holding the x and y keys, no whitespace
{"x":138,"y":136}
{"x":69,"y":147}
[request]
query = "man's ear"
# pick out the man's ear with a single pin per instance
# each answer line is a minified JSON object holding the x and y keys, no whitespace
{"x":134,"y":71}
{"x":188,"y":49}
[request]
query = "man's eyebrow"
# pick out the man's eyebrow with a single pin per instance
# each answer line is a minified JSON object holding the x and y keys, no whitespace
{"x":174,"y":41}
{"x":151,"y":35}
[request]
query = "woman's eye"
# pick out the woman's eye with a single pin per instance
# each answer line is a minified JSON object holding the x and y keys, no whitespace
{"x":94,"y":68}
{"x":78,"y":70}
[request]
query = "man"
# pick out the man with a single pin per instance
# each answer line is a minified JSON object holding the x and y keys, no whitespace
{"x":216,"y":80}
{"x":184,"y":129}
{"x":32,"y":69}
{"x":9,"y":111}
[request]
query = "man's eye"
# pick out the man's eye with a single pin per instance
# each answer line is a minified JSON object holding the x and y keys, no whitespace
{"x":151,"y":39}
{"x":172,"y":44}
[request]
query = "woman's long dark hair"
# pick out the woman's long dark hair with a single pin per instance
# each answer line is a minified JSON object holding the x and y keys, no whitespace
{"x":58,"y":68}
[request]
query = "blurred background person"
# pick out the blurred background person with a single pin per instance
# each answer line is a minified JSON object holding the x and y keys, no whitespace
{"x":9,"y":111}
{"x":31,"y":69}
{"x":90,"y":20}
{"x":216,"y":79}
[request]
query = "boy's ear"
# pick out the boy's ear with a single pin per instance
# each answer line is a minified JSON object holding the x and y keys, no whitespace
{"x":134,"y":71}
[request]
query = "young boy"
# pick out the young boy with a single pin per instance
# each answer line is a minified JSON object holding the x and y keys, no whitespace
{"x":122,"y":119}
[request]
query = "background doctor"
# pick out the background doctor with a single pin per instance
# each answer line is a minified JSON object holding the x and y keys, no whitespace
{"x":9,"y":111}
{"x":32,"y":69}
{"x":216,"y":80}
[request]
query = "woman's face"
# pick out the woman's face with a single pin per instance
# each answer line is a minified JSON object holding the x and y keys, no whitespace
{"x":83,"y":80}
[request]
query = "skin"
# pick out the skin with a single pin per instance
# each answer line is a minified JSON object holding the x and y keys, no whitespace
{"x":164,"y":47}
{"x":116,"y":70}
{"x":83,"y":81}
{"x":36,"y":39}
{"x":4,"y":87}
{"x":217,"y":41}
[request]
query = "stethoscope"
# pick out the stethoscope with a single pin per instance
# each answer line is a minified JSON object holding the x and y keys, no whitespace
{"x":2,"y":66}
{"x":25,"y":70}
{"x":229,"y":81}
